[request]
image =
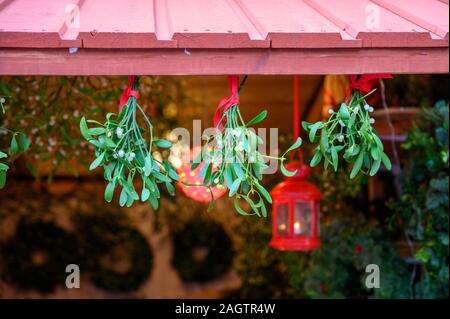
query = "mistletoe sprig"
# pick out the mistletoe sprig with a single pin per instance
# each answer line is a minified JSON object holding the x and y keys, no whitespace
{"x":232,"y":159}
{"x":125,"y":154}
{"x":349,"y":131}
{"x":18,"y":145}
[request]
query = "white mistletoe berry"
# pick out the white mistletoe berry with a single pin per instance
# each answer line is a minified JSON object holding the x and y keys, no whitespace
{"x":216,"y":181}
{"x":119,"y":132}
{"x":330,"y":111}
{"x":356,"y":109}
{"x":371,"y":109}
{"x":2,"y":100}
{"x":367,"y":107}
{"x":121,"y":153}
{"x":341,"y":138}
{"x":372,"y":120}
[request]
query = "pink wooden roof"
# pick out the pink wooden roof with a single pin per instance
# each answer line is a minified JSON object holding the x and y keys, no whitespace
{"x":246,"y":26}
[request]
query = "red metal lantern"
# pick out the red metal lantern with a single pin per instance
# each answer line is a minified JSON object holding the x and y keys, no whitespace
{"x":295,"y":202}
{"x":296,"y":210}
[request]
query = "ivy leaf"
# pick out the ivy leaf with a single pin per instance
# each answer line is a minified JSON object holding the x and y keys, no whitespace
{"x":260,"y":117}
{"x":162,"y":143}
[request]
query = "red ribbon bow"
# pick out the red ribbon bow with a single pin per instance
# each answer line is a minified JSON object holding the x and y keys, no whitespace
{"x":128,"y":92}
{"x":364,"y":83}
{"x":228,"y":102}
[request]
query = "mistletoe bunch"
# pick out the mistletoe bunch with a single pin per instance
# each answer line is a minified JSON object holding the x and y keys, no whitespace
{"x":349,"y":131}
{"x":19,"y":144}
{"x":125,"y":154}
{"x":232,"y":159}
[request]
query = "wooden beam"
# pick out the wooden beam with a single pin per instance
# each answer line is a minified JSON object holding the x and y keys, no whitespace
{"x":223,"y":61}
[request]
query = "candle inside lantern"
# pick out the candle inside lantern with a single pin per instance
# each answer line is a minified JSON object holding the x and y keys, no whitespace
{"x":298,"y":229}
{"x":282,"y":227}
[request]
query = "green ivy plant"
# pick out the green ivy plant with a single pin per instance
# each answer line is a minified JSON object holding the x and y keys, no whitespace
{"x":423,"y":208}
{"x":232,"y":159}
{"x":349,"y":131}
{"x":19,"y":144}
{"x":124,"y":153}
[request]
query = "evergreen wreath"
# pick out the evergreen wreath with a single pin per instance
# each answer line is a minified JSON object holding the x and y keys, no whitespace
{"x":202,"y":251}
{"x":37,"y":256}
{"x":108,"y":240}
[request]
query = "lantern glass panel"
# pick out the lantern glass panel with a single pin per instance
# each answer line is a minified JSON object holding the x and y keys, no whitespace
{"x":282,"y":219}
{"x":302,"y":219}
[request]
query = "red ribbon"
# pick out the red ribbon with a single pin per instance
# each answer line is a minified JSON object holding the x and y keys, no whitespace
{"x":228,"y":102}
{"x":365,"y":83}
{"x":128,"y":92}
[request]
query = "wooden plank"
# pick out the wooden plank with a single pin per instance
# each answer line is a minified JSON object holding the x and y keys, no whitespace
{"x":29,"y":24}
{"x":430,"y":15}
{"x":119,"y":24}
{"x":225,"y":61}
{"x":393,"y":30}
{"x":294,"y":24}
{"x":213,"y":24}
